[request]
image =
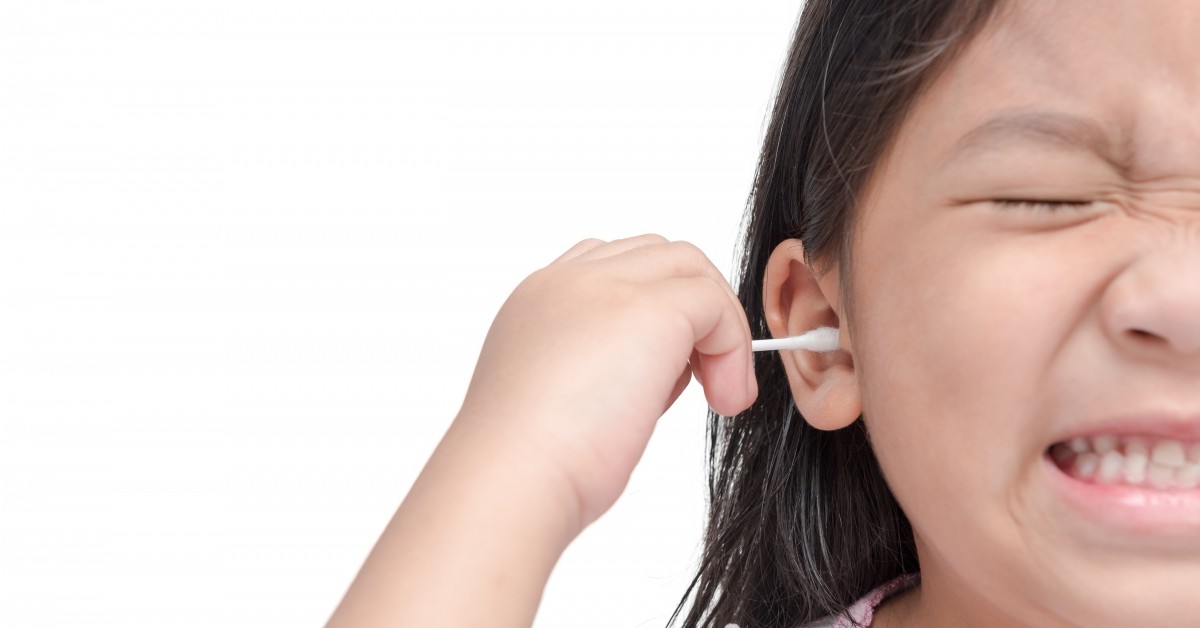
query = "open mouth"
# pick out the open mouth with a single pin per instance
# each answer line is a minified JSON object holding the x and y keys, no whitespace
{"x":1138,"y":488}
{"x":1156,"y":463}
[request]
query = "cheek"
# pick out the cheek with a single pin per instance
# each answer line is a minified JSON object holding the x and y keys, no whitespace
{"x":956,"y":336}
{"x":956,"y":342}
{"x":951,"y":336}
{"x":954,"y":339}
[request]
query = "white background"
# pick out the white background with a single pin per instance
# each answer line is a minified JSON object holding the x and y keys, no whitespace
{"x":249,"y":250}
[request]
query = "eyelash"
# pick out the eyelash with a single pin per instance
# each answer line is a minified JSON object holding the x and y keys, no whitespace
{"x":1041,"y":206}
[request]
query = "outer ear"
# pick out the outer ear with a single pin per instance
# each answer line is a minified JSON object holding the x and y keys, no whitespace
{"x":795,"y":300}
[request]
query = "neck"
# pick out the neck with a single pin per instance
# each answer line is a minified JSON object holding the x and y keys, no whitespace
{"x":942,"y":600}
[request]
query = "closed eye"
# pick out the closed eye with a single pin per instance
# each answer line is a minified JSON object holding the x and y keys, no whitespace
{"x":1041,"y":205}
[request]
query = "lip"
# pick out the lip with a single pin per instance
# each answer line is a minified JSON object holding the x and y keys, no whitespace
{"x":1129,"y":509}
{"x":1175,"y":427}
{"x":1171,"y":514}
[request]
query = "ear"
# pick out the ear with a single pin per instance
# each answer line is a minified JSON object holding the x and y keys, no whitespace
{"x":796,"y":300}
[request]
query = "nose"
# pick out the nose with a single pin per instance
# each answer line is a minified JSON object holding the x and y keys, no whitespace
{"x":1154,"y":304}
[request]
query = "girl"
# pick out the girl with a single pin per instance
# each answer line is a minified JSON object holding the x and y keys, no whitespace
{"x":997,"y":204}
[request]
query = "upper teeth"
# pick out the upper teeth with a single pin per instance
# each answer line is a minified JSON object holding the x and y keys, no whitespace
{"x":1106,"y":458}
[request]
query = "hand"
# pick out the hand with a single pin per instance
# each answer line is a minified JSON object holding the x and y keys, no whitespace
{"x":580,"y":362}
{"x":587,"y":353}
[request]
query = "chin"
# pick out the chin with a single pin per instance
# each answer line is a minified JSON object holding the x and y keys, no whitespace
{"x":1152,"y":594}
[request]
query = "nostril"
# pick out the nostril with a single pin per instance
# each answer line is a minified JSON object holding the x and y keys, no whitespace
{"x":1147,"y":339}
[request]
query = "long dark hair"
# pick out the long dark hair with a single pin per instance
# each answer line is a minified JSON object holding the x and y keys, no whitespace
{"x":801,"y":522}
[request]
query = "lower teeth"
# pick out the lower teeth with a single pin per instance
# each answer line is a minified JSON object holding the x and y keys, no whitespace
{"x":1133,"y":468}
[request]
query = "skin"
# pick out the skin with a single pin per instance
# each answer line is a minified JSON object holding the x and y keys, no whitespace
{"x":982,"y":332}
{"x":582,"y":359}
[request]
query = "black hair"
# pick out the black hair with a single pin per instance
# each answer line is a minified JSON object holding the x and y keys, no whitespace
{"x":801,"y":521}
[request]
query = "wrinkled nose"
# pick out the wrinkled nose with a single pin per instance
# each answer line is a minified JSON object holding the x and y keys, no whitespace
{"x":1154,"y":304}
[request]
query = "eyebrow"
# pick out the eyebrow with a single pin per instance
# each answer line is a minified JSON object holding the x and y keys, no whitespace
{"x":1044,"y":127}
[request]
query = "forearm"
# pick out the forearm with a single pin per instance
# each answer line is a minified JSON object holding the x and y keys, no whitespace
{"x":585,"y":354}
{"x":473,"y":543}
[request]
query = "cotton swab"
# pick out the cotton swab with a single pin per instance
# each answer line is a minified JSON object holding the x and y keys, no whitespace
{"x":820,"y":339}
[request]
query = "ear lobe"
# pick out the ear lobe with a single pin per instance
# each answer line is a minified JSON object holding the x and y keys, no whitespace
{"x":795,"y":300}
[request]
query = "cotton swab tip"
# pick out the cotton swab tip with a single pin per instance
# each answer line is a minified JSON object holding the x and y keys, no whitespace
{"x":820,"y":339}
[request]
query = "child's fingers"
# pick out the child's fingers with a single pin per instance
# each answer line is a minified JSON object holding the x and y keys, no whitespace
{"x":581,"y":248}
{"x":651,"y":256}
{"x":685,"y":378}
{"x":604,"y":332}
{"x":647,"y":259}
{"x":720,"y":329}
{"x":730,"y":386}
{"x":727,"y":375}
{"x":654,"y":261}
{"x":720,"y":339}
{"x":681,"y":273}
{"x":617,"y":247}
{"x":680,"y":258}
{"x":694,"y":366}
{"x":715,"y":396}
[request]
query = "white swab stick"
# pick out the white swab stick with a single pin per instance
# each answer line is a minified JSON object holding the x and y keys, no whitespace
{"x":819,"y":339}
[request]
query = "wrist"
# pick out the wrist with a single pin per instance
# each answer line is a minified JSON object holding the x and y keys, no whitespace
{"x":485,"y":523}
{"x":519,"y":469}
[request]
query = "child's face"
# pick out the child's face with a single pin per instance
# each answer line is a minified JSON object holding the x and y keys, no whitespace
{"x":984,"y":333}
